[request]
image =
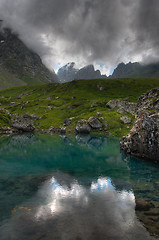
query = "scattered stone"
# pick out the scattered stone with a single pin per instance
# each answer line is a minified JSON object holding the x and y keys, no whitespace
{"x":13,"y":103}
{"x":50,"y":107}
{"x":49,"y":98}
{"x":56,"y":98}
{"x":83,"y":127}
{"x":6,"y":130}
{"x":67,"y":121}
{"x":94,"y":105}
{"x":94,"y":123}
{"x":51,"y":129}
{"x":22,"y":95}
{"x":99,"y":114}
{"x":101,"y":118}
{"x":101,"y":88}
{"x":125,"y":119}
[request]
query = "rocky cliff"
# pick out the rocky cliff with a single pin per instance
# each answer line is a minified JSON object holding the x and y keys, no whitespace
{"x":19,"y":65}
{"x":143,"y":140}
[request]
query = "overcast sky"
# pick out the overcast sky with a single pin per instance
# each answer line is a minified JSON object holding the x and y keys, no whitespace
{"x":102,"y":32}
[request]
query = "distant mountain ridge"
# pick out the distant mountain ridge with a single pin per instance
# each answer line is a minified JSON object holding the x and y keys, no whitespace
{"x":19,"y":65}
{"x":69,"y":72}
{"x":136,"y":70}
{"x":130,"y":70}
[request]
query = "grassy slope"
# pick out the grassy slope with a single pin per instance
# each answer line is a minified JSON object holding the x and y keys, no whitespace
{"x":8,"y":79}
{"x":86,"y":92}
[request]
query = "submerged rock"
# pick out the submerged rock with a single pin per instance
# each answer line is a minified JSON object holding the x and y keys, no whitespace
{"x":83,"y":127}
{"x":143,"y":140}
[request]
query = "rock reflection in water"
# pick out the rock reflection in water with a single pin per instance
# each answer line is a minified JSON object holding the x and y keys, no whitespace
{"x":64,"y":209}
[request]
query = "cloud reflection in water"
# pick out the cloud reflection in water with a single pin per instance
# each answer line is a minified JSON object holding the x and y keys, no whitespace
{"x":64,"y":209}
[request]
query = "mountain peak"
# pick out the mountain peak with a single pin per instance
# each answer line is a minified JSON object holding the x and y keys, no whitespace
{"x":69,"y":72}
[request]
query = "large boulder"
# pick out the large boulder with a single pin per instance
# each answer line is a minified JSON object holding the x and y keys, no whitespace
{"x":83,"y":127}
{"x":143,"y":140}
{"x":122,"y":106}
{"x":94,"y":123}
{"x":23,"y":123}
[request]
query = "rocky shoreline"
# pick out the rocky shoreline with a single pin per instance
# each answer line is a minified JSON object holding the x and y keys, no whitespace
{"x":143,"y":140}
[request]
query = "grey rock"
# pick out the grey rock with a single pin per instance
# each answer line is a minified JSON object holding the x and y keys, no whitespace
{"x":125,"y":119}
{"x":83,"y":127}
{"x":119,"y":104}
{"x":23,"y":123}
{"x":94,"y":123}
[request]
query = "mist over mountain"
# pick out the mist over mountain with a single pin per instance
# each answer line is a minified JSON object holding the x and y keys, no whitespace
{"x":69,"y":72}
{"x":19,"y":65}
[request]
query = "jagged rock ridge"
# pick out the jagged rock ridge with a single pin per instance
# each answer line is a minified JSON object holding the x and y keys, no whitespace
{"x":69,"y":72}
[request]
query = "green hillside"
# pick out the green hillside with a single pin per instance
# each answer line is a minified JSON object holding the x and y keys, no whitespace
{"x":54,"y":103}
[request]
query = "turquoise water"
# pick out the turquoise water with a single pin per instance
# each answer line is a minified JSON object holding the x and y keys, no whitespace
{"x":76,"y":187}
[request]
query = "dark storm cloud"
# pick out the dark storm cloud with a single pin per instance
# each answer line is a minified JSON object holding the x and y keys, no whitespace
{"x":92,"y":30}
{"x":146,"y":27}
